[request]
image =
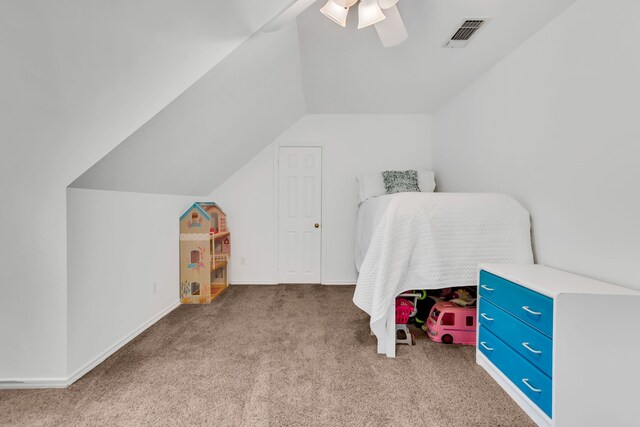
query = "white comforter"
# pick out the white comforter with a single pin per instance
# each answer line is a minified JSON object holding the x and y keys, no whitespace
{"x":437,"y":240}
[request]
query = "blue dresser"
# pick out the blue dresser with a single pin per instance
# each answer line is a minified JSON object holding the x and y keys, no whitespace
{"x":536,"y":338}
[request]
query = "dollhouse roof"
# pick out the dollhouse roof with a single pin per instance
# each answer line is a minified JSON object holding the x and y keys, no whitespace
{"x":201,"y":207}
{"x":197,"y":207}
{"x":208,"y":205}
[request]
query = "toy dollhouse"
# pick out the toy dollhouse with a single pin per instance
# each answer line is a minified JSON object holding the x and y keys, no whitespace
{"x":204,"y":253}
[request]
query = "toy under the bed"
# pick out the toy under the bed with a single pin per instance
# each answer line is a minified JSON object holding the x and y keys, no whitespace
{"x":434,"y":241}
{"x":404,"y":310}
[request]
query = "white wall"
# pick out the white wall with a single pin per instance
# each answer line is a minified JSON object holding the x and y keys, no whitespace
{"x":123,"y":268}
{"x":351,"y":144}
{"x":555,"y":124}
{"x":76,"y":78}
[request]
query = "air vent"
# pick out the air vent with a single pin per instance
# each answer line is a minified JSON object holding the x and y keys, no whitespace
{"x":463,"y":34}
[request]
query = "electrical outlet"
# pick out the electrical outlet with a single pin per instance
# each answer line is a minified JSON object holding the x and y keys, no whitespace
{"x":155,"y":287}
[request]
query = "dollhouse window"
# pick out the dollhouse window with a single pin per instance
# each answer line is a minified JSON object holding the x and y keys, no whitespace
{"x":195,"y":257}
{"x":195,"y":288}
{"x":448,"y":319}
{"x":194,"y":216}
{"x":214,"y":221}
{"x":469,"y":320}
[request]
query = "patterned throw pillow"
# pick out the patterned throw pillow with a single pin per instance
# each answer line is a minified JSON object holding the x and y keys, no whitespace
{"x":401,"y":181}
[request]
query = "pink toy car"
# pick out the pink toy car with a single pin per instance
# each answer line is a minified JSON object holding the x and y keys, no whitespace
{"x":450,"y":323}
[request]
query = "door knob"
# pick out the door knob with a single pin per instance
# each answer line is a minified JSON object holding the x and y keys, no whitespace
{"x":316,"y":225}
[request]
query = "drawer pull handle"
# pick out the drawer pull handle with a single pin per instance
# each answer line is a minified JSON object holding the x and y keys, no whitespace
{"x":526,"y":382}
{"x":532,"y":350}
{"x":485,"y":317}
{"x":484,"y":344}
{"x":528,"y":310}
{"x":486,"y":288}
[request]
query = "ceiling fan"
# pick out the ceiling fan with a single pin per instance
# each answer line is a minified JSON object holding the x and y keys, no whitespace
{"x":382,"y":14}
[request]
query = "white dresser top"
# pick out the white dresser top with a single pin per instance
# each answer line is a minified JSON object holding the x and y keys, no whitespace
{"x":551,"y":282}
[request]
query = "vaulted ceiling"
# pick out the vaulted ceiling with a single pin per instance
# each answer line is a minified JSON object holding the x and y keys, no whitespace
{"x":309,"y":66}
{"x":346,"y":70}
{"x":214,"y":127}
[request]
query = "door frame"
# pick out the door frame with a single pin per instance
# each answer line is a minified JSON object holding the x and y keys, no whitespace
{"x":276,"y":210}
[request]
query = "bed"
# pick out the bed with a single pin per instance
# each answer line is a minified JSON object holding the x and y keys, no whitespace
{"x":428,"y":240}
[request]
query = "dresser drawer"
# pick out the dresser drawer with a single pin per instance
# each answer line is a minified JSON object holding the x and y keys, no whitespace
{"x":526,"y":377}
{"x":534,"y":346}
{"x":529,"y":306}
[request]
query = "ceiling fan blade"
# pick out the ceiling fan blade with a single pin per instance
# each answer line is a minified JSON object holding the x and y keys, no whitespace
{"x":391,"y":31}
{"x":287,"y":15}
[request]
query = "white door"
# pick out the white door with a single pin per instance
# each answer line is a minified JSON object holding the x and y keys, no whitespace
{"x":299,"y":234}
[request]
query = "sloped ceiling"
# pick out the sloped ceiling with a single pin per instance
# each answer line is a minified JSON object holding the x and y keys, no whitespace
{"x":77,"y":77}
{"x":214,"y":127}
{"x":346,"y":70}
{"x":110,"y":66}
{"x":310,"y":66}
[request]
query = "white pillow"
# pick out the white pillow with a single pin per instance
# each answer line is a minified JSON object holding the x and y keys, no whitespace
{"x":372,"y":185}
{"x":426,"y":181}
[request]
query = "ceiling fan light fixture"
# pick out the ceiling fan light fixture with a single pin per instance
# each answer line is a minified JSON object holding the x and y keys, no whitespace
{"x":369,"y":13}
{"x":386,"y":4}
{"x":336,"y":12}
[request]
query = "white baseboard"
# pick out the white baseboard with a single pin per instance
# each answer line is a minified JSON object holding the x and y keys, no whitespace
{"x":65,"y":382}
{"x":33,"y":383}
{"x":271,"y":282}
{"x":339,"y":282}
{"x":101,"y":358}
{"x":252,"y":282}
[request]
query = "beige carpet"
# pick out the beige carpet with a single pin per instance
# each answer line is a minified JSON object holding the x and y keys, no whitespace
{"x":272,"y":355}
